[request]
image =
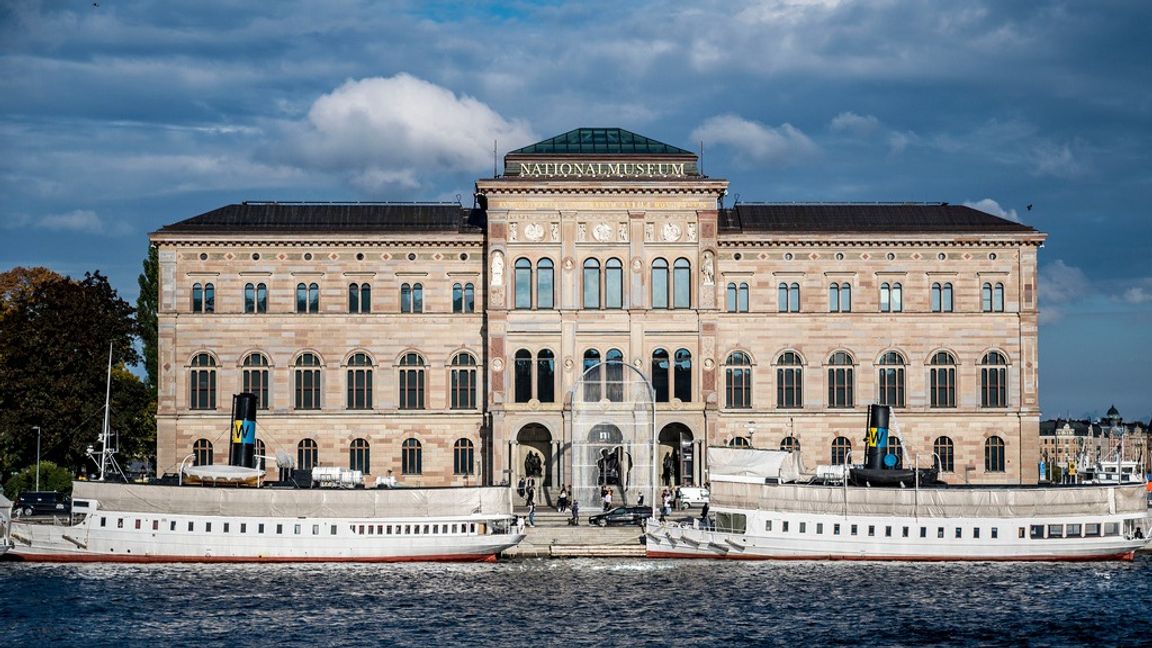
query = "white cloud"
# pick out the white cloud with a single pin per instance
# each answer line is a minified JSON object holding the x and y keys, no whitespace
{"x":992,"y":207}
{"x":1060,"y":285}
{"x":389,"y":131}
{"x":755,"y":142}
{"x":852,"y":124}
{"x":84,"y":221}
{"x":1055,"y":160}
{"x":1141,"y":293}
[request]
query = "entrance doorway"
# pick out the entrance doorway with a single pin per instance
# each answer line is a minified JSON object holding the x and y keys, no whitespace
{"x":533,"y":459}
{"x":677,"y":455}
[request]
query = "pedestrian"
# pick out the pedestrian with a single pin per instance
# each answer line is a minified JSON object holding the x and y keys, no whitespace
{"x":520,"y":487}
{"x":532,"y":514}
{"x":562,"y":504}
{"x":519,"y":525}
{"x":530,"y":495}
{"x":607,"y":499}
{"x":575,"y":521}
{"x":704,"y":516}
{"x":640,"y":500}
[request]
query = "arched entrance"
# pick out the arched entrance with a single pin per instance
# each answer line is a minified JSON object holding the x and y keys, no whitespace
{"x":677,"y":455}
{"x":533,"y":458}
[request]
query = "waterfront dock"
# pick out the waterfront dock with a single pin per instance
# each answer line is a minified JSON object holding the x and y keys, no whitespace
{"x":553,"y":537}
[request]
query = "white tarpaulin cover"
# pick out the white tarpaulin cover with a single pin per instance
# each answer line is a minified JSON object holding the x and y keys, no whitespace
{"x":941,"y":502}
{"x":223,"y":473}
{"x":752,"y":466}
{"x":312,"y":503}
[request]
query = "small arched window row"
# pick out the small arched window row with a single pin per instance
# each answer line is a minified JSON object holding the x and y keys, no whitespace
{"x":463,"y":297}
{"x":942,"y":297}
{"x":788,"y":297}
{"x":992,"y":297}
{"x":736,"y":297}
{"x":891,"y":297}
{"x":534,"y":377}
{"x":674,"y":291}
{"x":603,"y":290}
{"x":840,"y":297}
{"x":203,"y":297}
{"x":255,"y":298}
{"x":359,"y":298}
{"x":671,"y":375}
{"x":308,"y":298}
{"x":411,"y":297}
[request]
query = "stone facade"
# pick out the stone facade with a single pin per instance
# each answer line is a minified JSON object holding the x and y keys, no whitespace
{"x":628,"y":227}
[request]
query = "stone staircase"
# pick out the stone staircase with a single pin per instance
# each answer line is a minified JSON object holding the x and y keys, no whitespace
{"x":553,"y":537}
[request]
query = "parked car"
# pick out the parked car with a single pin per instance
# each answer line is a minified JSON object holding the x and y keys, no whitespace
{"x":42,"y":503}
{"x":621,"y":515}
{"x":693,"y":496}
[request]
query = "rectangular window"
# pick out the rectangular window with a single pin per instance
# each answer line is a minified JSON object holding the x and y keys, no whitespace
{"x":871,"y":530}
{"x":172,"y":525}
{"x":296,"y":529}
{"x":260,"y":528}
{"x":1073,"y":531}
{"x":1020,"y":532}
{"x":226,"y":527}
{"x":959,"y":533}
{"x":315,"y":529}
{"x":976,"y":533}
{"x":1036,"y":531}
{"x":819,"y":528}
{"x":1055,"y":530}
{"x":1112,"y":529}
{"x":995,"y":533}
{"x":243,"y":527}
{"x":768,"y":525}
{"x":208,"y":527}
{"x":852,"y":530}
{"x":923,"y":532}
{"x":1091,"y":530}
{"x":784,"y":526}
{"x":835,"y":529}
{"x":939,"y":532}
{"x":279,"y":529}
{"x":332,"y":530}
{"x":803,"y":527}
{"x":905,"y":532}
{"x":887,"y":532}
{"x":191,"y":526}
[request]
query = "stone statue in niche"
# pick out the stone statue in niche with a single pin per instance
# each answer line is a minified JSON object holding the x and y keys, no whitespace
{"x":602,"y":232}
{"x":692,"y":231}
{"x":555,"y":231}
{"x":497,"y":268}
{"x":649,"y":231}
{"x":708,"y":269}
{"x":534,"y":231}
{"x":513,"y":232}
{"x":622,"y":232}
{"x":581,"y":232}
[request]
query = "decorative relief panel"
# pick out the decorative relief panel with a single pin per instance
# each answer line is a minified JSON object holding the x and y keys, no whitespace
{"x":671,"y":232}
{"x":534,"y":232}
{"x":602,"y":232}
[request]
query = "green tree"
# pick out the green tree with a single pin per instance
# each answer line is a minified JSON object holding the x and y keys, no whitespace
{"x":52,"y":478}
{"x":146,"y":305}
{"x":56,"y":334}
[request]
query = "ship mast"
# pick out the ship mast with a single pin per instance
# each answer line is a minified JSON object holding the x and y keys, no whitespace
{"x":104,"y":452}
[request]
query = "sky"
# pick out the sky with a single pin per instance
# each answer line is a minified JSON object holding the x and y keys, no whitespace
{"x":119,"y":117}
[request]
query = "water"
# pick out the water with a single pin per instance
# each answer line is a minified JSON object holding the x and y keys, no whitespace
{"x":579,"y":603}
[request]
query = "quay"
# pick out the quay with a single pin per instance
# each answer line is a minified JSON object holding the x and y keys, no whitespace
{"x":554,"y":537}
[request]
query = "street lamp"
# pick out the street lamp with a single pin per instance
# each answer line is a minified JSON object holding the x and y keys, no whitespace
{"x":751,"y":427}
{"x":37,"y":428}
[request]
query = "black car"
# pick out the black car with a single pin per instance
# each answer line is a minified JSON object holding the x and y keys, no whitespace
{"x":42,"y":503}
{"x":621,"y":515}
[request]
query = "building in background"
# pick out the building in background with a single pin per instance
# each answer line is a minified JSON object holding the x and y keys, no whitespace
{"x":1068,"y":447}
{"x":441,"y":342}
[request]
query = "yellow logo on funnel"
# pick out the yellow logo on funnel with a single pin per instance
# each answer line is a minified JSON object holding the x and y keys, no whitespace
{"x":237,"y":435}
{"x":871,"y":439}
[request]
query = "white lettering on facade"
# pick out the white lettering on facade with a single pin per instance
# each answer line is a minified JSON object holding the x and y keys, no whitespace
{"x":603,"y":170}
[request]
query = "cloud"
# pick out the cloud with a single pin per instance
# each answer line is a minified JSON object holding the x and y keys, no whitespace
{"x":83,"y":221}
{"x":1060,"y":285}
{"x":1140,"y":293}
{"x":992,"y":207}
{"x":1055,"y":160}
{"x":391,"y":131}
{"x":852,"y":124}
{"x":756,"y":143}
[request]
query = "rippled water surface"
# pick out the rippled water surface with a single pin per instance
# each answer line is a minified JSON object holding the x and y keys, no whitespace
{"x":579,"y":602}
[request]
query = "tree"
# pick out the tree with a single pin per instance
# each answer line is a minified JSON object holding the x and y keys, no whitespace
{"x":146,"y":306}
{"x":53,"y":366}
{"x":52,"y":478}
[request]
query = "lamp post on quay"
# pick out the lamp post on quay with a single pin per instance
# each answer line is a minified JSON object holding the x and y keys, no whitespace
{"x":37,"y":428}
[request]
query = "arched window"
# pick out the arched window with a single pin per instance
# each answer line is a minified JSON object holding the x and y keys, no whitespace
{"x":261,"y":298}
{"x":301,"y":298}
{"x":660,"y":380}
{"x":941,"y":297}
{"x":463,"y":457}
{"x":790,"y":444}
{"x":249,"y":298}
{"x":730,"y":298}
{"x":891,"y":379}
{"x":197,"y":298}
{"x":202,"y":452}
{"x":683,"y":375}
{"x":307,"y":298}
{"x":463,"y":381}
{"x":841,"y":451}
{"x":737,"y":298}
{"x":945,"y":452}
{"x":739,"y":442}
{"x":891,"y":297}
{"x":613,"y":284}
{"x":469,"y":298}
{"x":412,"y":298}
{"x":463,"y":298}
{"x":412,"y":381}
{"x":659,"y":283}
{"x":738,"y":381}
{"x":255,"y":378}
{"x":591,"y":378}
{"x":591,"y":283}
{"x":210,"y":298}
{"x":682,"y":283}
{"x":307,"y":374}
{"x":405,"y":298}
{"x":203,"y":383}
{"x":840,"y":297}
{"x":992,"y":298}
{"x":360,"y":456}
{"x":840,"y":380}
{"x":522,"y":376}
{"x":789,"y":381}
{"x":994,"y":454}
{"x":411,"y":457}
{"x":545,"y":283}
{"x":942,"y":380}
{"x":523,"y":283}
{"x":788,"y":297}
{"x":203,"y":298}
{"x":994,"y":380}
{"x":359,"y":298}
{"x":417,"y":298}
{"x":545,"y":376}
{"x":313,"y":298}
{"x":307,"y":454}
{"x":614,"y":375}
{"x":360,"y":382}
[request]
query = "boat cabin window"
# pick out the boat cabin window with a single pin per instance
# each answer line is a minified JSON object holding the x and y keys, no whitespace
{"x":803,"y":527}
{"x":819,"y":528}
{"x":279,"y":529}
{"x":1020,"y":533}
{"x":296,"y":529}
{"x":1055,"y":530}
{"x":871,"y":530}
{"x":887,"y":532}
{"x":260,"y":528}
{"x":735,"y":522}
{"x":768,"y":525}
{"x":155,"y":525}
{"x":332,"y":531}
{"x":103,"y":521}
{"x":137,"y":524}
{"x":208,"y":527}
{"x":939,"y":532}
{"x":784,"y":526}
{"x":1036,"y":531}
{"x":227,"y":525}
{"x":959,"y":533}
{"x":425,"y":529}
{"x":976,"y":532}
{"x":1073,"y":531}
{"x":923,"y":532}
{"x":191,"y":526}
{"x":1091,"y":530}
{"x":315,"y":529}
{"x":243,"y":527}
{"x":472,"y":528}
{"x":120,"y":523}
{"x":995,"y":533}
{"x":852,"y":530}
{"x":172,"y":525}
{"x":835,"y":529}
{"x":1111,"y":529}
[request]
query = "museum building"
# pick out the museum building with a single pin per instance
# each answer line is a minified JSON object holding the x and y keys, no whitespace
{"x":443,"y":342}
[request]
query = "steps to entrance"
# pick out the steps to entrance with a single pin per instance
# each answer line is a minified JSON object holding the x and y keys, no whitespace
{"x":553,"y":537}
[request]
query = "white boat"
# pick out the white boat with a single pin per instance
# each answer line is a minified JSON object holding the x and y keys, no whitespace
{"x":763,"y":511}
{"x":5,"y":519}
{"x":148,"y":523}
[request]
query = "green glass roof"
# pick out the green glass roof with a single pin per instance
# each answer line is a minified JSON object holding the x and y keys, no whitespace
{"x":601,"y":140}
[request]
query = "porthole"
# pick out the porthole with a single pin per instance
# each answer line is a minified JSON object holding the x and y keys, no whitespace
{"x":203,"y":256}
{"x":787,"y":256}
{"x":255,"y":256}
{"x":359,"y":256}
{"x":941,"y":256}
{"x":411,"y":256}
{"x":737,"y":256}
{"x":463,"y":256}
{"x":307,"y":256}
{"x":891,"y":256}
{"x":991,"y":256}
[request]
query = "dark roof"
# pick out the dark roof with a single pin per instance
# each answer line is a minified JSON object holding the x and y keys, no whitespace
{"x":600,"y":140}
{"x":272,"y":217}
{"x":864,"y":217}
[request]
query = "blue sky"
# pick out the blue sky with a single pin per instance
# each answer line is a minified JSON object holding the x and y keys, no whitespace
{"x":119,"y":118}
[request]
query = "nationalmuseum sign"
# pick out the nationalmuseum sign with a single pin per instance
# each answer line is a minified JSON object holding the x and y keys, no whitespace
{"x":604,"y":170}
